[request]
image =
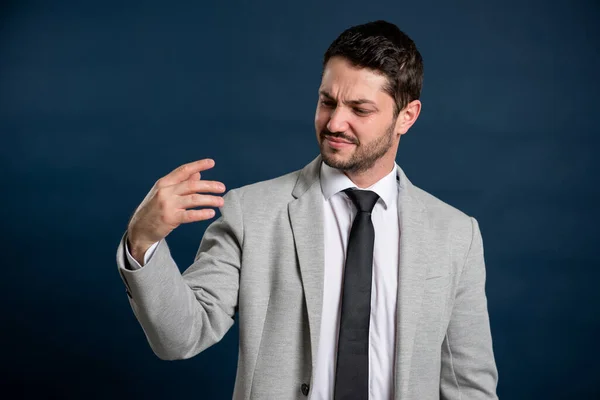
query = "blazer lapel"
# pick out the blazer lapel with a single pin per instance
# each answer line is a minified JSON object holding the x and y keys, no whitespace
{"x":306,"y":218}
{"x":411,"y":276}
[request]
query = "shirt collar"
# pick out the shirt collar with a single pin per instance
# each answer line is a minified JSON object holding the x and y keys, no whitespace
{"x":334,"y":181}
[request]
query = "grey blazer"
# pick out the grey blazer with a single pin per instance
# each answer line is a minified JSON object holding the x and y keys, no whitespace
{"x":263,"y":257}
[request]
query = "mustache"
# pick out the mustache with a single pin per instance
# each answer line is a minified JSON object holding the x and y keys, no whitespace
{"x":339,"y":135}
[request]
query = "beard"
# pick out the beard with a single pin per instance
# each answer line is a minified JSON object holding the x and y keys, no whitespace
{"x":363,"y":157}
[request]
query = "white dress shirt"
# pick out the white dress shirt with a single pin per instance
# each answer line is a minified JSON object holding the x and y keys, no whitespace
{"x":339,"y":212}
{"x":338,"y":215}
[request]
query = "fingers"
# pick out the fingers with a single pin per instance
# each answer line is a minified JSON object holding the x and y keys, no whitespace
{"x":182,"y":185}
{"x":193,"y":186}
{"x":200,"y":200}
{"x":184,"y":172}
{"x":187,"y":216}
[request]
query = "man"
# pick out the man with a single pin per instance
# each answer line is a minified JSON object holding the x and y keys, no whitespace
{"x":350,"y":282}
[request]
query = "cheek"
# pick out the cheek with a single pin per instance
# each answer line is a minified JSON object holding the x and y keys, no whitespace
{"x":321,"y":119}
{"x":365,"y":133}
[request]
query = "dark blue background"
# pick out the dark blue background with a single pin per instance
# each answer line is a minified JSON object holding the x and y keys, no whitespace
{"x":100,"y":99}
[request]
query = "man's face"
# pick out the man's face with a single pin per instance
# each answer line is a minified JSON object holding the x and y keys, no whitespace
{"x":357,"y":114}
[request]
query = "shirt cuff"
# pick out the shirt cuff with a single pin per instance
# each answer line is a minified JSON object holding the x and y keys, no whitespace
{"x":147,"y":255}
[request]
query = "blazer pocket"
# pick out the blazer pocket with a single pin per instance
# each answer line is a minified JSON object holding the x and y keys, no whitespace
{"x":437,"y":283}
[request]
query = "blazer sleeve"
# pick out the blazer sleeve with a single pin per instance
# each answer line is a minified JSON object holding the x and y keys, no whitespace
{"x":183,"y":314}
{"x":468,"y":368}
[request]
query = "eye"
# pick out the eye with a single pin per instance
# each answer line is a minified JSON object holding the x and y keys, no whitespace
{"x":327,"y":103}
{"x":361,"y":111}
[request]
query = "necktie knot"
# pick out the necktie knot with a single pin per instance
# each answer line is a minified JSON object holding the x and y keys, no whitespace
{"x":364,"y":200}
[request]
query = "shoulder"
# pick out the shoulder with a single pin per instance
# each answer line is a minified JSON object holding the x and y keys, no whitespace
{"x":435,"y":206}
{"x":273,"y":188}
{"x":445,"y":217}
{"x":267,"y":193}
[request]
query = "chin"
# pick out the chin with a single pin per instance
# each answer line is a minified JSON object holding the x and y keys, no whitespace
{"x":334,"y":160}
{"x":329,"y":153}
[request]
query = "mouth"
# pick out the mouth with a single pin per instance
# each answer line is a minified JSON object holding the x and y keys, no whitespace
{"x":337,"y":143}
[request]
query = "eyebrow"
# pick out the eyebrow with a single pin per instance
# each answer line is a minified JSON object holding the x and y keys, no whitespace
{"x":348,"y":102}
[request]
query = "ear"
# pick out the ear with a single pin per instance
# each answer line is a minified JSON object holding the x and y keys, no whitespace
{"x":407,"y":117}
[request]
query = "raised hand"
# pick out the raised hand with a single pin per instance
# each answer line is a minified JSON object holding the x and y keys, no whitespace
{"x":167,"y":205}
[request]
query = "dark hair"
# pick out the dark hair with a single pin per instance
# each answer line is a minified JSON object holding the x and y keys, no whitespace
{"x":383,"y":47}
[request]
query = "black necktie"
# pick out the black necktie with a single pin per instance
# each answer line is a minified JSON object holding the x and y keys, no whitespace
{"x":352,"y":370}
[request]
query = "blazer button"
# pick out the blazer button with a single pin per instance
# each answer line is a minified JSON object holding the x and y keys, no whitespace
{"x":305,"y":388}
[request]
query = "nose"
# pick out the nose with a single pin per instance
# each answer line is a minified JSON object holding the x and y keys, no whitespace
{"x":337,"y":121}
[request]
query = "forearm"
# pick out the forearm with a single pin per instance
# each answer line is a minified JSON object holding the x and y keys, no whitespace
{"x":178,"y":322}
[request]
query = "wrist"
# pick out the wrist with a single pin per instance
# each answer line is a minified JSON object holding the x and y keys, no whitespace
{"x":138,"y":247}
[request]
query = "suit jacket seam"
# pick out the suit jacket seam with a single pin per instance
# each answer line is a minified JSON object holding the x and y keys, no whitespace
{"x":470,"y":246}
{"x":239,"y":194}
{"x":452,"y":366}
{"x":447,"y":334}
{"x":259,"y":347}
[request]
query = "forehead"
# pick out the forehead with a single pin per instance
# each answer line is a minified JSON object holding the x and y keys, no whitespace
{"x":340,"y":78}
